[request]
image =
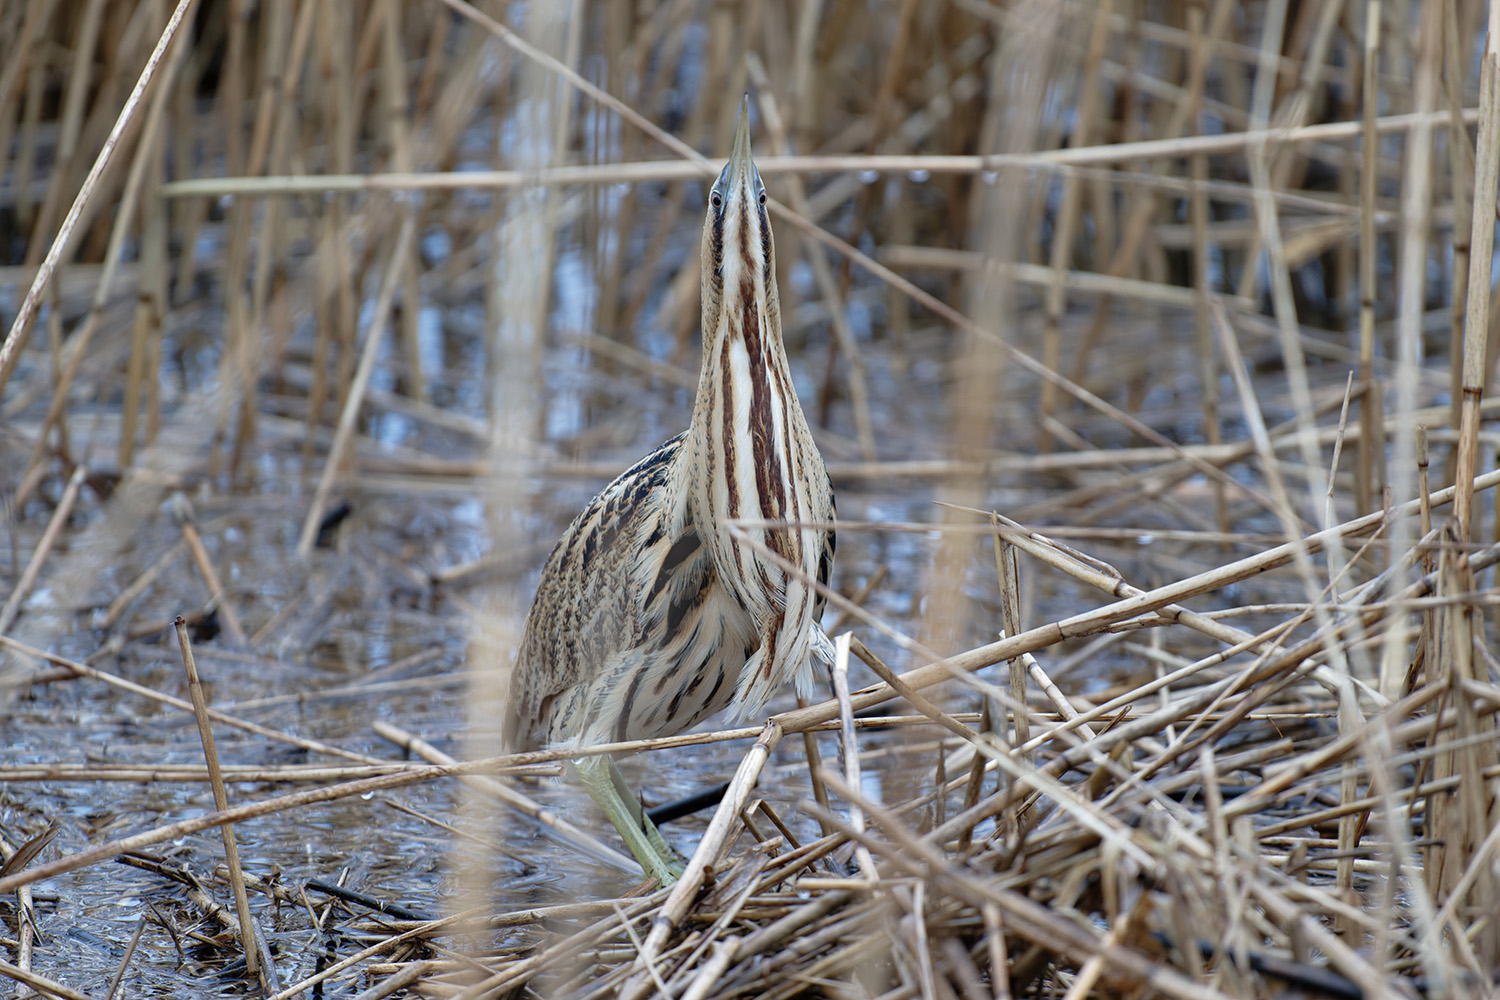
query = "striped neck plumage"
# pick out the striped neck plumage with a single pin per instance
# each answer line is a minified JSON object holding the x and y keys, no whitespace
{"x":747,"y":424}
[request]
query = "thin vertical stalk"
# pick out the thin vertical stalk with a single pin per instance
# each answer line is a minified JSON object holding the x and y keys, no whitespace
{"x":1460,"y":168}
{"x":1482,"y":240}
{"x":394,"y":91}
{"x":1198,"y":218}
{"x":1369,"y":483}
{"x":1070,"y":211}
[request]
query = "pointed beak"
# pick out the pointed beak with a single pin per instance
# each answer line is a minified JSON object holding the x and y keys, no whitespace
{"x":740,"y":168}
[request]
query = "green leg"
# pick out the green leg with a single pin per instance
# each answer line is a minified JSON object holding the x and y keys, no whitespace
{"x":642,"y":821}
{"x":607,"y":787}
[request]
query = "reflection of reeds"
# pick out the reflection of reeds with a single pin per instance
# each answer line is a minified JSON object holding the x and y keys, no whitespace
{"x":216,"y":262}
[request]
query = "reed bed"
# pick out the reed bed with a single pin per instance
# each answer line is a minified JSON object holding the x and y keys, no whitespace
{"x":323,"y":319}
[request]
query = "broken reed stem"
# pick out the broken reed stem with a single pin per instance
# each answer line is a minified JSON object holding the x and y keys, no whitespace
{"x":26,"y":931}
{"x":50,"y":987}
{"x":218,"y":597}
{"x":1010,"y":618}
{"x":221,"y":803}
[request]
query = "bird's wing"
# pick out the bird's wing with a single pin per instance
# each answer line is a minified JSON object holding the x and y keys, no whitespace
{"x":587,"y":604}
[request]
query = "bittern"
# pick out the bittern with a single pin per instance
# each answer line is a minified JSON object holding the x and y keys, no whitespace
{"x":654,"y":610}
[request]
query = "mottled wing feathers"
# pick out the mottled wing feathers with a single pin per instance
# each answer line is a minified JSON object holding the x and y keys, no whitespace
{"x":588,"y":603}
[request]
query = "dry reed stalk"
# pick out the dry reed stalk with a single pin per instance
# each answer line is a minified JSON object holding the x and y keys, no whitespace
{"x":1481,"y":246}
{"x":247,"y":930}
{"x":1415,"y":203}
{"x":394,"y":88}
{"x":249,"y":271}
{"x":1008,"y":572}
{"x":1019,"y":75}
{"x":157,"y":773}
{"x":1371,"y":479}
{"x":1044,"y":276}
{"x":1460,"y":166}
{"x":14,"y":858}
{"x":218,"y":598}
{"x":51,"y":987}
{"x":151,"y":307}
{"x":848,"y":745}
{"x":125,"y":960}
{"x":334,"y":301}
{"x":694,"y":165}
{"x":236,"y":814}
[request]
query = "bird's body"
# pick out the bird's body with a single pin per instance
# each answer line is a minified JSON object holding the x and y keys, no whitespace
{"x":654,"y":611}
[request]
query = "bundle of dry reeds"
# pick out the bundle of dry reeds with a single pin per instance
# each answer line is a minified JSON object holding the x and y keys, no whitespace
{"x":1180,"y":311}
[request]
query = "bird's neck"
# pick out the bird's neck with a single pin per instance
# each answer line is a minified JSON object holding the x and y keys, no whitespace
{"x":746,"y":440}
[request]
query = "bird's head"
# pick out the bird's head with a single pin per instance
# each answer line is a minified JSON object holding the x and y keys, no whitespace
{"x":739,"y":257}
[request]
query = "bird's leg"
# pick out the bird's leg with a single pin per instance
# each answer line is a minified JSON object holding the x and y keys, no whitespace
{"x":642,"y":821}
{"x":607,"y":787}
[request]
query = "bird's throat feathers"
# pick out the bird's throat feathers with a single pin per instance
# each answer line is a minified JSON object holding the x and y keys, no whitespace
{"x":755,"y":407}
{"x":747,"y":417}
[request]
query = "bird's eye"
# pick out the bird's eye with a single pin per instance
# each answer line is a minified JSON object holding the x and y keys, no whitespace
{"x":762,"y":197}
{"x":716,"y":200}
